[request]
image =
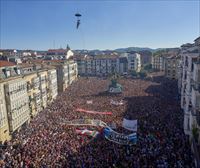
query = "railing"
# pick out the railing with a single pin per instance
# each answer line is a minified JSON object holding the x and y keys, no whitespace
{"x":195,"y":85}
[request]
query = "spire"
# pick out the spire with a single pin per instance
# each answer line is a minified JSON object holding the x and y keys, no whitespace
{"x":68,"y":48}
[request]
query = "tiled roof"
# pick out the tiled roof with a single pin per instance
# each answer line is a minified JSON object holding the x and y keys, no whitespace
{"x":24,"y":65}
{"x":6,"y":63}
{"x":56,"y":50}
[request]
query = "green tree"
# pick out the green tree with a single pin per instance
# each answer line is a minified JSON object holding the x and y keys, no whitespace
{"x":133,"y":73}
{"x":142,"y":74}
{"x":148,"y":67}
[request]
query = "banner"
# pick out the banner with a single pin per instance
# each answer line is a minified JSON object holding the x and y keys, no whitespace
{"x":89,"y":102}
{"x":97,"y":123}
{"x":119,"y":138}
{"x":130,"y":124}
{"x":116,"y":102}
{"x":87,"y":132}
{"x":93,"y":112}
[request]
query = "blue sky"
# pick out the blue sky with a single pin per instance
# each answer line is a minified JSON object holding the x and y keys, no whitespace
{"x":105,"y":24}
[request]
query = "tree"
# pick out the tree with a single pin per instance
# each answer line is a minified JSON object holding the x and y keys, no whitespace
{"x":195,"y":133}
{"x":148,"y":67}
{"x":142,"y":74}
{"x":133,"y":73}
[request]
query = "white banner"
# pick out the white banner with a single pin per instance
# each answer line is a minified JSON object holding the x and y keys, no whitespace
{"x":79,"y":122}
{"x":130,"y":124}
{"x":116,"y":102}
{"x":89,"y":102}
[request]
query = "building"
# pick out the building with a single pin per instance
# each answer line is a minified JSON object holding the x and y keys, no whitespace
{"x":72,"y":71}
{"x":104,"y":65}
{"x":122,"y":67}
{"x":43,"y":81}
{"x":33,"y":92}
{"x":4,"y":127}
{"x":17,"y":102}
{"x":172,"y":66}
{"x":59,"y":54}
{"x":97,"y":66}
{"x":190,"y":94}
{"x":158,"y":63}
{"x":52,"y":84}
{"x":24,"y":92}
{"x":66,"y":71}
{"x":134,"y":62}
{"x":146,"y":57}
{"x":8,"y":69}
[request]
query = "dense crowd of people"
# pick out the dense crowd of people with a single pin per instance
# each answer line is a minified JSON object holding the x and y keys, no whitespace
{"x":47,"y":142}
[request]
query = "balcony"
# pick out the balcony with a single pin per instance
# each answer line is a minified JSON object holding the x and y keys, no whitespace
{"x":195,"y":85}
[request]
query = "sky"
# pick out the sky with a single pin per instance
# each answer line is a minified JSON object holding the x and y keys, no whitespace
{"x":105,"y":24}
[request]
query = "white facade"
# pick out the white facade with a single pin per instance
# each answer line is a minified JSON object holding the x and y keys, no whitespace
{"x":43,"y":89}
{"x":103,"y":66}
{"x":52,"y":79}
{"x":17,"y":103}
{"x":69,"y":54}
{"x":72,"y":71}
{"x":3,"y":111}
{"x":190,"y":86}
{"x":66,"y":74}
{"x":4,"y":127}
{"x":37,"y":94}
{"x":134,"y":62}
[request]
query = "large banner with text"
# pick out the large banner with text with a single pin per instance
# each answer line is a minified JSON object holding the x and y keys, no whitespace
{"x":119,"y":138}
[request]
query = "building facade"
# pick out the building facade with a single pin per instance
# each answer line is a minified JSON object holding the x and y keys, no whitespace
{"x":158,"y":63}
{"x":190,"y":94}
{"x":172,"y":67}
{"x":105,"y":65}
{"x":52,"y":85}
{"x":43,"y":81}
{"x":4,"y":127}
{"x":17,"y":103}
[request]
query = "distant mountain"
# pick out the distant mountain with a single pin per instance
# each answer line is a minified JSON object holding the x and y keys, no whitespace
{"x":122,"y":50}
{"x":137,"y":49}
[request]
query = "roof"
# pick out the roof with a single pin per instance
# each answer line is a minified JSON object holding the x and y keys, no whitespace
{"x":57,"y":51}
{"x":197,"y":39}
{"x":6,"y":63}
{"x":24,"y":65}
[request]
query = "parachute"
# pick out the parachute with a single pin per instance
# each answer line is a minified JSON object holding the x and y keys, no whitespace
{"x":78,"y":15}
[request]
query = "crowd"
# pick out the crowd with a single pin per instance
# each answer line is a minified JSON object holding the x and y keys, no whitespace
{"x":47,"y":142}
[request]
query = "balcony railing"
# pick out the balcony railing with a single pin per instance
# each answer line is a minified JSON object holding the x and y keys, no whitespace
{"x":195,"y":85}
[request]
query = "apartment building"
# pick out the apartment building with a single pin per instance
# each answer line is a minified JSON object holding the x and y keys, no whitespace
{"x":8,"y":69}
{"x":134,"y":62}
{"x":32,"y":81}
{"x":190,"y":94}
{"x":43,"y":80}
{"x":108,"y":64}
{"x":158,"y":63}
{"x":67,"y":72}
{"x":52,"y":84}
{"x":172,"y":67}
{"x":72,"y":71}
{"x":4,"y":127}
{"x":24,"y":92}
{"x":17,"y":102}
